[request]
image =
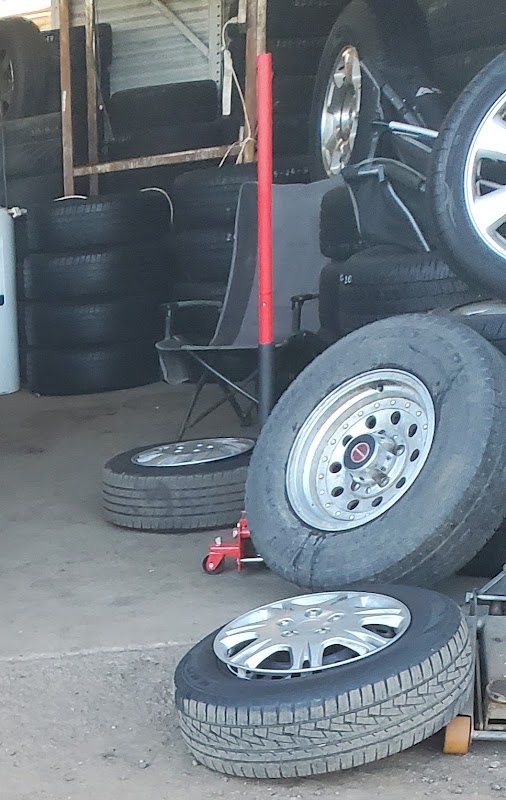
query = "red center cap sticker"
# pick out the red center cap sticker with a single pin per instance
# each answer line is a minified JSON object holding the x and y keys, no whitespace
{"x":360,"y":453}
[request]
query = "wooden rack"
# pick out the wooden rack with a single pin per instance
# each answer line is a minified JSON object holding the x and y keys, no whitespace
{"x":256,"y":18}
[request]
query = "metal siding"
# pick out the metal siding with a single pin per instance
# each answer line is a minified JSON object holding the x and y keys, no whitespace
{"x":147,"y":48}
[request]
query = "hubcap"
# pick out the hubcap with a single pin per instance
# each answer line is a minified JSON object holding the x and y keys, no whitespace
{"x":311,"y":633}
{"x":485,"y":179}
{"x":341,"y":109}
{"x":360,"y":450}
{"x":203,"y":451}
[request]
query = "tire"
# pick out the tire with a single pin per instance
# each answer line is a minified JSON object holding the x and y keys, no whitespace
{"x":388,"y":57}
{"x":75,"y":224}
{"x":414,"y":540}
{"x":354,"y":714}
{"x":198,"y":291}
{"x":290,"y":134}
{"x":489,"y":561}
{"x":293,"y":94}
{"x":78,"y":44}
{"x":288,"y":18}
{"x":492,"y":326}
{"x":189,"y":498}
{"x":289,"y":56}
{"x":174,"y":139}
{"x":29,"y":192}
{"x":28,"y":54}
{"x":203,"y":255}
{"x":473,"y":255}
{"x":127,"y":319}
{"x":339,"y":229}
{"x":32,"y":146}
{"x":126,"y":270}
{"x":88,"y":371}
{"x":135,"y":110}
{"x":384,"y":281}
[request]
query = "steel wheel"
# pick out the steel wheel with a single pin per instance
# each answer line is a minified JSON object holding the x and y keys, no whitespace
{"x":199,"y":451}
{"x":485,"y":196}
{"x":341,"y":110}
{"x":308,"y":634}
{"x":360,"y":450}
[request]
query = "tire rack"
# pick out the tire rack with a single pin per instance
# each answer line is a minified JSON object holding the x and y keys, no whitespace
{"x":256,"y":23}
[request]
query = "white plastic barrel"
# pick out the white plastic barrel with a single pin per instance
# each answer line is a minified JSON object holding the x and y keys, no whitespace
{"x":9,"y":354}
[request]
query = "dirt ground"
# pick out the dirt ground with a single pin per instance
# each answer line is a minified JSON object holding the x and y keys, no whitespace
{"x":94,"y":620}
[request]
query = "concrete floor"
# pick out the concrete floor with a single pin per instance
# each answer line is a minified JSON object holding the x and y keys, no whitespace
{"x":94,"y":620}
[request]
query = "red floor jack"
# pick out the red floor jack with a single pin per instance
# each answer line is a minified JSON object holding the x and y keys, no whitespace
{"x":241,"y":548}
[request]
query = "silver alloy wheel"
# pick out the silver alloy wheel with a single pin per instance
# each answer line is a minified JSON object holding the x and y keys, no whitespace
{"x":486,"y":199}
{"x":311,"y":633}
{"x":341,"y":110}
{"x":6,"y":82}
{"x":484,"y":308}
{"x":199,"y":451}
{"x":360,"y":450}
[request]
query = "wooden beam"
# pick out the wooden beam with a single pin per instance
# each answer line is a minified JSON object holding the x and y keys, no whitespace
{"x":91,"y":90}
{"x":145,"y":162}
{"x":250,"y":93}
{"x":182,"y":27}
{"x":66,"y":99}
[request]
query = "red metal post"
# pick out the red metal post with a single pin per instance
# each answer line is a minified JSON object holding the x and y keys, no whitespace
{"x":265,"y":243}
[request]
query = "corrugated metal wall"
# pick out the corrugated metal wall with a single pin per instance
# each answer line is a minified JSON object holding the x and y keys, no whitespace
{"x":148,"y":49}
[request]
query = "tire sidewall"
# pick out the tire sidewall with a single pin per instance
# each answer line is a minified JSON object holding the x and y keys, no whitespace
{"x":124,"y":465}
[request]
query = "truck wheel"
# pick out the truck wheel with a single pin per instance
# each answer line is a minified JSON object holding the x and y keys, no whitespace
{"x":333,"y":681}
{"x":344,"y":478}
{"x":468,"y":180}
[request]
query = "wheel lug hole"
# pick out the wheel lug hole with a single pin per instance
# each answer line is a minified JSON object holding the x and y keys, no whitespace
{"x":400,"y":450}
{"x":346,"y":440}
{"x":335,"y":467}
{"x":395,"y":418}
{"x":371,"y":422}
{"x":312,"y":613}
{"x":337,"y":491}
{"x":414,"y":455}
{"x":355,"y":486}
{"x":412,"y":431}
{"x":352,"y":505}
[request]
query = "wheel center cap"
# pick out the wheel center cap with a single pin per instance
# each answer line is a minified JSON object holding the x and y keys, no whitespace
{"x":359,"y":452}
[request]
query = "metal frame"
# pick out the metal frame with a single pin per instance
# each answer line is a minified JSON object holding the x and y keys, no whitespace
{"x":255,"y":43}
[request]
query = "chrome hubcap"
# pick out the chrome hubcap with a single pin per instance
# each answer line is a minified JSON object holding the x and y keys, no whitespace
{"x":485,"y":179}
{"x":202,"y":451}
{"x":360,"y":450}
{"x":341,"y":109}
{"x":308,"y":634}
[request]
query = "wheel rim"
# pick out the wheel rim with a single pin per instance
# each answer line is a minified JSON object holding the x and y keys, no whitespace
{"x":341,"y":110}
{"x":6,"y":81}
{"x":198,"y":451}
{"x":483,"y":309}
{"x":360,"y":450}
{"x":484,"y":185}
{"x":309,"y":634}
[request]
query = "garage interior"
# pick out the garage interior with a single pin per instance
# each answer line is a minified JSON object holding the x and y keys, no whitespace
{"x":96,"y":618}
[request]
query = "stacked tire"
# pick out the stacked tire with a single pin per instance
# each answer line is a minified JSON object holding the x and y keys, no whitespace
{"x":296,"y":36}
{"x":91,"y":289}
{"x":205,"y":207}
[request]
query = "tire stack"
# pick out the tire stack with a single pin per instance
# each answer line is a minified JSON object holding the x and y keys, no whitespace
{"x":151,"y":120}
{"x":91,"y":289}
{"x":205,"y":206}
{"x":296,"y":34}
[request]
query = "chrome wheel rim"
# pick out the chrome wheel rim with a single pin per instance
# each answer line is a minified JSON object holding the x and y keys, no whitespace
{"x":485,"y":191}
{"x":309,"y":634}
{"x":6,"y":81}
{"x":198,"y":451}
{"x":360,"y":450}
{"x":341,"y":110}
{"x":483,"y":309}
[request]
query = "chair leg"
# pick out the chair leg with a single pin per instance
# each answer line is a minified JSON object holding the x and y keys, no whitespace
{"x":198,"y":388}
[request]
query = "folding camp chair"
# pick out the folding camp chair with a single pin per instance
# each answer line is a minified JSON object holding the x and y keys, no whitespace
{"x":297,"y":266}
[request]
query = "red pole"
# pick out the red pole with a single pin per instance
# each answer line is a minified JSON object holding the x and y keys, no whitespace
{"x":265,"y":271}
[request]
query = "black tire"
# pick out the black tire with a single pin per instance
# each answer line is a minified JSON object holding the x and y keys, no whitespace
{"x":290,"y":134}
{"x":174,"y":139}
{"x":203,"y":255}
{"x":32,"y":146}
{"x":189,"y":498}
{"x":492,"y":326}
{"x":123,"y":270}
{"x":290,"y":18}
{"x":339,"y":229}
{"x":385,"y":281}
{"x":147,"y":107}
{"x":78,"y":42}
{"x":489,"y":561}
{"x":293,"y":94}
{"x":416,"y":540}
{"x":76,"y":224}
{"x":23,"y":45}
{"x":289,"y":56}
{"x":68,"y":324}
{"x":198,"y":291}
{"x":102,"y":369}
{"x":470,"y":253}
{"x":340,"y":718}
{"x":29,"y":192}
{"x":388,"y":54}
